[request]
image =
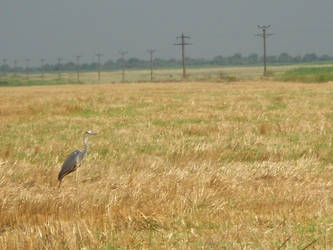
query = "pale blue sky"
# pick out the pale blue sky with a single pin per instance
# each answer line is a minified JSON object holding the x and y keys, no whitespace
{"x":64,"y":28}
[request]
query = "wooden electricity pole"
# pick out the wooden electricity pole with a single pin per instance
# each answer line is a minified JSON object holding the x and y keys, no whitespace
{"x":264,"y":35}
{"x":15,"y":67}
{"x":99,"y":56}
{"x":78,"y":67}
{"x":42,"y":67}
{"x":123,"y":65}
{"x":4,"y":65}
{"x":27,"y":68}
{"x":151,"y":52}
{"x":59,"y":67}
{"x":183,"y":43}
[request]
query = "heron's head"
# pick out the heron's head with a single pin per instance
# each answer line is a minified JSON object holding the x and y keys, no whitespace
{"x":89,"y":132}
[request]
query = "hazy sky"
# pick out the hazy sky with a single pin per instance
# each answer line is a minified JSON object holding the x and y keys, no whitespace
{"x":65,"y":28}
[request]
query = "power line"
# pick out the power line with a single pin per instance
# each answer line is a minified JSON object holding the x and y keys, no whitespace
{"x":151,"y":52}
{"x":99,"y":55}
{"x":183,"y":43}
{"x":123,"y":54}
{"x":264,"y":35}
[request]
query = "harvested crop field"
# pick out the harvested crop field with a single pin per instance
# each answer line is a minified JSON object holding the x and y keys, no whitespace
{"x":200,"y":165}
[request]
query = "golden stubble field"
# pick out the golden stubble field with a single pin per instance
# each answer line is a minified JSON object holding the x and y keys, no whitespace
{"x":175,"y":165}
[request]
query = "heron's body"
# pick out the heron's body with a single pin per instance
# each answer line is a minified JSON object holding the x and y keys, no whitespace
{"x":70,"y":164}
{"x":74,"y":160}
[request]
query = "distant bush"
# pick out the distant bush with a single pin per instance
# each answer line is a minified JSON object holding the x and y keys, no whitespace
{"x":4,"y":83}
{"x":315,"y":74}
{"x":227,"y":78}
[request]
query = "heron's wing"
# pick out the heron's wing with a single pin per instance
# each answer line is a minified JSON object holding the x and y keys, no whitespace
{"x":72,"y":159}
{"x":70,"y":164}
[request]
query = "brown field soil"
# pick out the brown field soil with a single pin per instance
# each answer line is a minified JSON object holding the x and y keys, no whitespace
{"x":174,"y":166}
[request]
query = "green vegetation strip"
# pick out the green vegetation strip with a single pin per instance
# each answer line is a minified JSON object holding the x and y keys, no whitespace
{"x":315,"y":74}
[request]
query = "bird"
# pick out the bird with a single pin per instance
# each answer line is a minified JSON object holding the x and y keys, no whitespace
{"x":74,"y":160}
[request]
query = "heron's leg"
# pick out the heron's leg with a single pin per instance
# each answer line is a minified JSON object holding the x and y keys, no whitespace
{"x":59,"y":184}
{"x":76,"y":175}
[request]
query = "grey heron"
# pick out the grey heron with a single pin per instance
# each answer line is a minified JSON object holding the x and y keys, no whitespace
{"x":74,"y":160}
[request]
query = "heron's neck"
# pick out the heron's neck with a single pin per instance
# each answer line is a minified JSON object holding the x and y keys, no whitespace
{"x":85,"y":144}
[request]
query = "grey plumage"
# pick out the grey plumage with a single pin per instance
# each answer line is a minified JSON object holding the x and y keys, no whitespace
{"x":74,"y":160}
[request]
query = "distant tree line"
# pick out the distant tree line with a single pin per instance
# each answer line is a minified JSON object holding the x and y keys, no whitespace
{"x":136,"y":63}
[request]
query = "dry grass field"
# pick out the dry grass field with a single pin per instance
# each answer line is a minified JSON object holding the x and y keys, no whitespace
{"x":241,"y":165}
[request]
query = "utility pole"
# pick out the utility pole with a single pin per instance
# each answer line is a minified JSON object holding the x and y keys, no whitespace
{"x":59,"y":67}
{"x":151,"y":52}
{"x":4,"y":65}
{"x":27,"y":68}
{"x":15,"y":67}
{"x":99,"y":55}
{"x":78,"y":67}
{"x":123,"y":53}
{"x":183,"y":43}
{"x":42,"y":67}
{"x":264,"y":35}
